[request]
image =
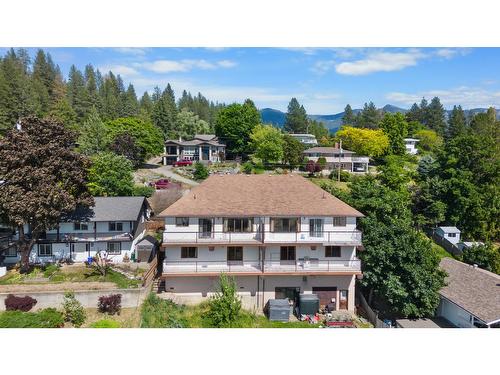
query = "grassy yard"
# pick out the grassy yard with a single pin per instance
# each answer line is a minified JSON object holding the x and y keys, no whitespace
{"x":160,"y":313}
{"x":75,"y":273}
{"x":440,"y":251}
{"x":128,"y":318}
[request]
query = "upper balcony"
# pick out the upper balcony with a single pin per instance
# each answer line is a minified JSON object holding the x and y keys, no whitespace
{"x":337,"y":237}
{"x":86,"y":237}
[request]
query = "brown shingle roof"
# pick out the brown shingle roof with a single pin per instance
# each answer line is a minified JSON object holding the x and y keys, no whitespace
{"x":473,"y":289}
{"x":259,"y":195}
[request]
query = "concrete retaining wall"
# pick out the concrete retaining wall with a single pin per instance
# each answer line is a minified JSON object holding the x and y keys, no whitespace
{"x":88,"y":298}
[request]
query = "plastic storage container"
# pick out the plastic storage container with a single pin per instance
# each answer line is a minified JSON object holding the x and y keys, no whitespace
{"x":278,"y":310}
{"x":308,"y":304}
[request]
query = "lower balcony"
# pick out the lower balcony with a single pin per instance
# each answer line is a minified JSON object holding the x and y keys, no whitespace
{"x":299,"y":266}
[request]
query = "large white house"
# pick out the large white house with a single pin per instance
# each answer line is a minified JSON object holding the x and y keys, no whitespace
{"x":336,"y":157}
{"x":203,"y":147}
{"x":115,"y":226}
{"x":278,"y":235}
{"x":306,"y":139}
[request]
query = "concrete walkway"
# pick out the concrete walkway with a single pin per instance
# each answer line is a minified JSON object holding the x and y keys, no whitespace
{"x":153,"y":167}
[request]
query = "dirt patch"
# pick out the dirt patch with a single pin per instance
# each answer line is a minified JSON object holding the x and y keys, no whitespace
{"x":58,"y":287}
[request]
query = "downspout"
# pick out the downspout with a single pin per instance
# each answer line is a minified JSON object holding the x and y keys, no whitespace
{"x":258,"y":290}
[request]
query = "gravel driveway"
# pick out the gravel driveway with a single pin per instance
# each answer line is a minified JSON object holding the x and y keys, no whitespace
{"x":153,"y":169}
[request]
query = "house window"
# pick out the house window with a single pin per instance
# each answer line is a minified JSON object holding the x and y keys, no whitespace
{"x":114,"y":247}
{"x":238,"y":225}
{"x":205,"y":228}
{"x":115,"y":226}
{"x":235,"y":253}
{"x":332,"y":251}
{"x":316,"y":227}
{"x":287,"y":253}
{"x":10,"y":252}
{"x":339,"y":221}
{"x":452,"y":234}
{"x":189,"y":252}
{"x":182,"y":222}
{"x":80,"y":226}
{"x":45,"y":249}
{"x":284,"y":224}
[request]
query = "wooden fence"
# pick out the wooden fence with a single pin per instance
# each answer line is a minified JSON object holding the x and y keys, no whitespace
{"x":151,"y":273}
{"x":371,"y":315}
{"x":447,"y":245}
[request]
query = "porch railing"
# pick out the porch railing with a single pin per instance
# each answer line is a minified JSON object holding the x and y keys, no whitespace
{"x":261,"y":266}
{"x":340,"y":237}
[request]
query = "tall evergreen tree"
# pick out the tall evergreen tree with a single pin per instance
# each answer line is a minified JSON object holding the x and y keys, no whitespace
{"x":165,"y":111}
{"x":456,"y":122}
{"x":369,"y":117}
{"x":414,"y":114}
{"x":146,"y":107}
{"x":92,"y":88}
{"x":110,"y":96}
{"x":436,"y":119}
{"x":76,"y":93}
{"x":348,"y":118}
{"x":43,"y":81}
{"x":130,"y":104}
{"x":296,"y":118}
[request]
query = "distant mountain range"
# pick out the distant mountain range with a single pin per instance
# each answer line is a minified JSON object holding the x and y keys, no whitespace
{"x":333,"y":122}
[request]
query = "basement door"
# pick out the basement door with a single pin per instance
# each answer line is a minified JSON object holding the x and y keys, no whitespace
{"x":325,"y":294}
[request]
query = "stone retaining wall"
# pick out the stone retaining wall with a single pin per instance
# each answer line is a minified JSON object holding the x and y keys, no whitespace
{"x":88,"y":298}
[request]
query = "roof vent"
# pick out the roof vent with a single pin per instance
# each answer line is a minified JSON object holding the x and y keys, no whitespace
{"x":474,"y":265}
{"x":194,"y":196}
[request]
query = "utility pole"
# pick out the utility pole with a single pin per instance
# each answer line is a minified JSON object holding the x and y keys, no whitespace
{"x":340,"y":155}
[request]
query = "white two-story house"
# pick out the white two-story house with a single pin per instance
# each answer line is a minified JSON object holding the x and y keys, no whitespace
{"x":114,"y":226}
{"x":337,"y":157}
{"x":278,"y":235}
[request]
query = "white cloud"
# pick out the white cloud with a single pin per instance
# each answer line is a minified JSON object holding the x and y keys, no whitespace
{"x":169,"y":66}
{"x":123,"y":70}
{"x":380,"y":62}
{"x":468,"y":97}
{"x":321,"y":67}
{"x":131,"y":51}
{"x":449,"y":53}
{"x":216,"y":49}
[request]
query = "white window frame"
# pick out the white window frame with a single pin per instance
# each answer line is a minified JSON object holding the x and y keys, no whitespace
{"x":342,"y":221}
{"x":80,"y":226}
{"x":115,"y":223}
{"x":45,"y":253}
{"x":114,"y":252}
{"x":182,"y":221}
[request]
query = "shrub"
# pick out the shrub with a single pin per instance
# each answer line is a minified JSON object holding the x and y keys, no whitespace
{"x":311,"y":167}
{"x":200,"y":171}
{"x":247,"y":167}
{"x":73,"y":310}
{"x":25,"y":303}
{"x":485,"y":256}
{"x":225,"y":306}
{"x":50,"y":270}
{"x":143,"y":191}
{"x":47,"y":318}
{"x":161,"y":313}
{"x":110,"y":304}
{"x":322,"y":162}
{"x":105,"y":323}
{"x":344,"y":175}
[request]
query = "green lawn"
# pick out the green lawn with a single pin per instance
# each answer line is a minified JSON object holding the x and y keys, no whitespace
{"x":328,"y":182}
{"x":440,"y":251}
{"x":77,"y":273}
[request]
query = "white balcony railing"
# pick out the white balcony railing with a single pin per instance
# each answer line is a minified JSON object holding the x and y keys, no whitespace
{"x":267,"y":266}
{"x":349,"y":238}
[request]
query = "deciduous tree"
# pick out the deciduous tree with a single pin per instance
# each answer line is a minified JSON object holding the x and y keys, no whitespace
{"x":43,"y":180}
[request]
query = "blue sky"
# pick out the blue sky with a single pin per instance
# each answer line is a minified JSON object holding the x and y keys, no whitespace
{"x":323,"y":79}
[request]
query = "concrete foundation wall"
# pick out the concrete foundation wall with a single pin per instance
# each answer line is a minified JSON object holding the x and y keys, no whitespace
{"x":254,"y":291}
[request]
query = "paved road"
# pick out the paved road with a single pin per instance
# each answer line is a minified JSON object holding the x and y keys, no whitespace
{"x":165,"y":170}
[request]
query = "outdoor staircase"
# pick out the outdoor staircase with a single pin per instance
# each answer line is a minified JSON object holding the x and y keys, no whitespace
{"x":158,"y":285}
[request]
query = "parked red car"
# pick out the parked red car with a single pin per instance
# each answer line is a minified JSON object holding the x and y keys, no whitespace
{"x":162,"y":184}
{"x":183,"y":163}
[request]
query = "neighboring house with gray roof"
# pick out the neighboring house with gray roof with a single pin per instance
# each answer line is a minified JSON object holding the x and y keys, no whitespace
{"x":114,"y":225}
{"x":203,"y":147}
{"x":471,"y":297}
